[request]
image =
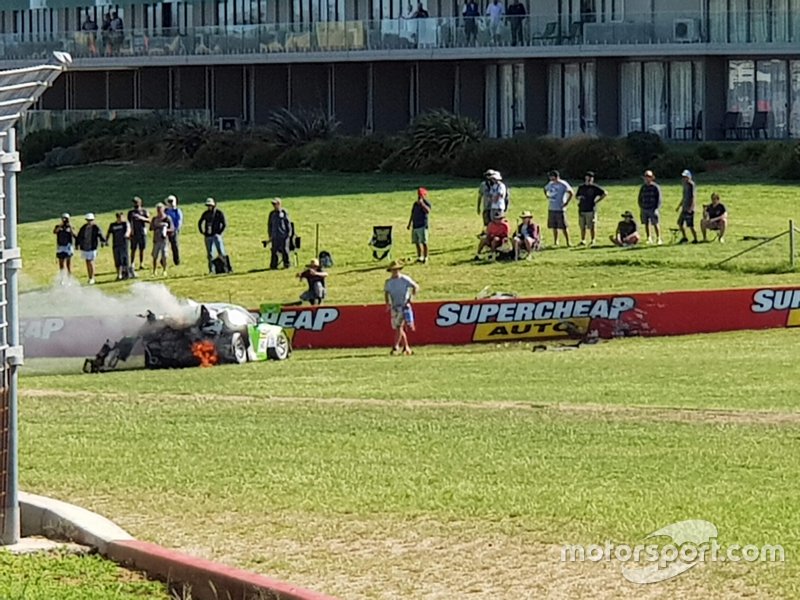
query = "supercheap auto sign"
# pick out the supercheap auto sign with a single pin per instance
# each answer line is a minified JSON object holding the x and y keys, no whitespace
{"x":667,"y":313}
{"x":472,"y":321}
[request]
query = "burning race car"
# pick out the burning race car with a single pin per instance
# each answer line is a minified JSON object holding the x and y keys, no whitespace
{"x":213,"y":334}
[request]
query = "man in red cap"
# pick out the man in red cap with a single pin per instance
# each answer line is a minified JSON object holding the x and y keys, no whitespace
{"x":418,"y":224}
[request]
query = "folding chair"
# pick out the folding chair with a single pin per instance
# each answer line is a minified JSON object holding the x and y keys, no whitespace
{"x":381,"y":242}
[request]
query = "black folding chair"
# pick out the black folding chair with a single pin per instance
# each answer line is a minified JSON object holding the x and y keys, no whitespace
{"x":381,"y":242}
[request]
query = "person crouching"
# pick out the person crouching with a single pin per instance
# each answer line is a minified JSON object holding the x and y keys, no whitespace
{"x":315,"y":277}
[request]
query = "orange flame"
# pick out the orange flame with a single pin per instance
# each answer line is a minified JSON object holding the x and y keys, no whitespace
{"x":206,"y":353}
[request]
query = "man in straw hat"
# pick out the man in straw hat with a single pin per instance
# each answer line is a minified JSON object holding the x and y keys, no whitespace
{"x":627,"y":234}
{"x":315,"y":277}
{"x":398,"y":291}
{"x":528,"y":236}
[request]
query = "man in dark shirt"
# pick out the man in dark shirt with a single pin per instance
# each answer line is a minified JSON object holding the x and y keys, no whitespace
{"x":589,"y":196}
{"x":279,"y":234}
{"x":88,"y":240}
{"x":65,"y":240}
{"x":418,"y":224}
{"x":421,"y":12}
{"x":686,"y":207}
{"x":212,"y":225}
{"x":471,"y":12}
{"x":626,"y":234}
{"x":650,"y":205}
{"x":119,"y":232}
{"x":516,"y":15}
{"x":716,"y":218}
{"x":315,"y":277}
{"x":139,"y":219}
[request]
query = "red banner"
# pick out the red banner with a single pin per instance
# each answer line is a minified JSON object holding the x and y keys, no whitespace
{"x":470,"y":321}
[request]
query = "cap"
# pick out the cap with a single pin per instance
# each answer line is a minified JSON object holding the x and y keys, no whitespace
{"x":276,"y":200}
{"x":210,"y":202}
{"x":171,"y":199}
{"x":422,"y":192}
{"x":649,"y":173}
{"x":160,"y":205}
{"x":90,"y":216}
{"x":590,"y":174}
{"x":137,"y":199}
{"x":65,"y":215}
{"x":686,"y":173}
{"x":553,"y":173}
{"x":627,"y":213}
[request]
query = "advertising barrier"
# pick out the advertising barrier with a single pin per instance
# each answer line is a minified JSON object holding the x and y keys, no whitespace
{"x":472,"y":321}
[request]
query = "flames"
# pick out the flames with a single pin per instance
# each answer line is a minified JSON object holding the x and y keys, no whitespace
{"x":206,"y":352}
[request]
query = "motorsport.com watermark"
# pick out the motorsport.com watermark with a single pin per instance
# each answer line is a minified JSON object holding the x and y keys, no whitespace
{"x":692,"y":542}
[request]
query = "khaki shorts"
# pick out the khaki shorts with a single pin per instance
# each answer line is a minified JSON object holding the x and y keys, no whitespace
{"x":419,"y":235}
{"x":587,"y":219}
{"x":402,"y":316}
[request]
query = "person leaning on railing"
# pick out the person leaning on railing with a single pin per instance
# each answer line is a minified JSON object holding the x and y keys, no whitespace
{"x":471,"y":12}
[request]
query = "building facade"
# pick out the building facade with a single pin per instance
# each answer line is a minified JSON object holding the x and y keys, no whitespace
{"x":679,"y":68}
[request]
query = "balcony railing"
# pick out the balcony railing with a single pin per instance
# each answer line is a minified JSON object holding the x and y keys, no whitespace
{"x":775,"y":28}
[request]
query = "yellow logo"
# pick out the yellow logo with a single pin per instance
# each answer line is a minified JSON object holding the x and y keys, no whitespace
{"x":525,"y":330}
{"x":794,"y":318}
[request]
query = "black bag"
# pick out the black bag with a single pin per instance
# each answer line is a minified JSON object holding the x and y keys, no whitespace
{"x":325,"y":259}
{"x":222,"y":264}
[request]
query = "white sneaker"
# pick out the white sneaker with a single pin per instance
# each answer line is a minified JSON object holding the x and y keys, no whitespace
{"x":660,"y":242}
{"x":649,"y":241}
{"x":91,"y":281}
{"x":593,"y":243}
{"x":583,"y":242}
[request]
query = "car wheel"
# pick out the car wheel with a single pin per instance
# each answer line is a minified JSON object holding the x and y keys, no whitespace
{"x":282,"y":348}
{"x":238,"y":349}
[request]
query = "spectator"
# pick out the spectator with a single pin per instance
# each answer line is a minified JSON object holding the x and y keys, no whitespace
{"x":89,"y":28}
{"x":516,"y":15}
{"x":528,"y":236}
{"x":498,"y":195}
{"x":686,"y":207}
{"x":116,"y":32}
{"x":212,"y":225}
{"x":65,"y":239}
{"x":176,"y":215}
{"x":119,"y":233}
{"x":139,"y":219}
{"x":421,"y":12}
{"x":162,"y":227}
{"x":279,"y":234}
{"x":88,"y":240}
{"x":715,"y":219}
{"x":589,"y":196}
{"x":315,"y":276}
{"x":650,"y":205}
{"x":495,"y":12}
{"x":471,"y":12}
{"x":558,"y":193}
{"x":418,"y":224}
{"x":626,"y":234}
{"x":496,"y":236}
{"x":410,"y":12}
{"x":398,"y":292}
{"x":484,"y":195}
{"x":105,"y":34}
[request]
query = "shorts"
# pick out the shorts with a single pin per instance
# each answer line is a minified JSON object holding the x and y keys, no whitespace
{"x":89,"y":254}
{"x":160,"y":249}
{"x":419,"y":235}
{"x":402,"y":316}
{"x":121,"y":256}
{"x":686,"y":218}
{"x":715,"y":225}
{"x":138,"y":242}
{"x":587,"y":219}
{"x":64,"y":251}
{"x":649,"y":216}
{"x":487,"y":216}
{"x":556,"y":219}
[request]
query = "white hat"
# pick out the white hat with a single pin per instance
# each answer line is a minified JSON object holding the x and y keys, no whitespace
{"x":210,"y":202}
{"x":171,"y":199}
{"x":65,"y":215}
{"x":686,"y":173}
{"x":90,"y":216}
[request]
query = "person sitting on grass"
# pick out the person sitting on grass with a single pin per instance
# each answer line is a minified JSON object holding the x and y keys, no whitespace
{"x":497,"y":234}
{"x":715,"y":218}
{"x":315,"y":277}
{"x":528,"y":236}
{"x":627,"y":234}
{"x":398,"y":292}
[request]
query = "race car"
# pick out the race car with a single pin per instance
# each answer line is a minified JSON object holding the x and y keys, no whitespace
{"x":206,"y":335}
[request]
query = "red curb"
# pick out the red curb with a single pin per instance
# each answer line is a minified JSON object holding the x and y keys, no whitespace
{"x":208,"y":580}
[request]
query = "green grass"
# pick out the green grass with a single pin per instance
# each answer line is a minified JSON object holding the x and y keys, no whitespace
{"x":71,"y":577}
{"x":282,"y":467}
{"x":347,"y":206}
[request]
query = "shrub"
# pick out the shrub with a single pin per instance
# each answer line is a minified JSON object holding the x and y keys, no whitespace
{"x":219,"y":152}
{"x":643,"y":147}
{"x":35,"y":145}
{"x":749,"y":152}
{"x":183,"y":140}
{"x":515,"y":157}
{"x":350,"y":154}
{"x":671,"y":164}
{"x":260,"y":154}
{"x":708,"y":151}
{"x":288,"y":129}
{"x":786,"y":162}
{"x":605,"y":156}
{"x":63,"y":157}
{"x":297,"y":157}
{"x":98,"y":149}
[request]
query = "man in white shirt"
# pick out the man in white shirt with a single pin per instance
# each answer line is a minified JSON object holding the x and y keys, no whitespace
{"x":558,"y":193}
{"x":495,"y":12}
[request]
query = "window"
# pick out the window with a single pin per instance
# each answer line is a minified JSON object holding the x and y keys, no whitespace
{"x":741,"y":89}
{"x":571,"y":99}
{"x":505,"y":99}
{"x":631,"y":97}
{"x":771,"y":95}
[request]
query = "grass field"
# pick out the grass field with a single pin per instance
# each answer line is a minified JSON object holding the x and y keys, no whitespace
{"x":455,"y":473}
{"x":347,"y":206}
{"x":70,"y":577}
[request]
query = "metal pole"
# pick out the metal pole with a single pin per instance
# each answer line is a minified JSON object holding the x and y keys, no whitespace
{"x":316,"y":241}
{"x":758,"y":245}
{"x":792,"y":248}
{"x":11,"y":166}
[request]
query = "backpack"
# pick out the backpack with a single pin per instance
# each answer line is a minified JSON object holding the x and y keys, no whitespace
{"x":508,"y":196}
{"x":325,"y":259}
